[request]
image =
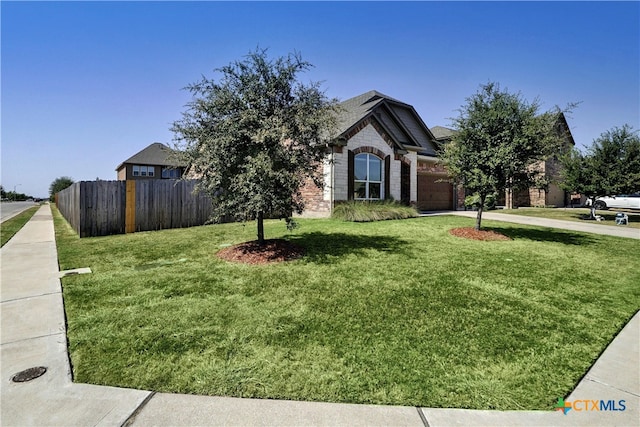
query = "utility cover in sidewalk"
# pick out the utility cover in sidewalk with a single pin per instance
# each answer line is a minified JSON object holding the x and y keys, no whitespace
{"x":29,"y":374}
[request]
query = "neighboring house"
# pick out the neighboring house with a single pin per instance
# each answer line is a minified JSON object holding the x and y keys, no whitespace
{"x":384,"y":151}
{"x":553,"y":196}
{"x":153,"y":162}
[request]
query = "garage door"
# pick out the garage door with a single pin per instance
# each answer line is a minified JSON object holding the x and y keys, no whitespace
{"x":433,"y":195}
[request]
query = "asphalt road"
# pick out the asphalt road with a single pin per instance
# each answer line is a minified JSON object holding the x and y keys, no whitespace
{"x":10,"y":209}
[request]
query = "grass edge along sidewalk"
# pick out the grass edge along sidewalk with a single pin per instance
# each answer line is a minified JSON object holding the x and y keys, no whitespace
{"x":394,"y":312}
{"x":10,"y":227}
{"x":574,"y":215}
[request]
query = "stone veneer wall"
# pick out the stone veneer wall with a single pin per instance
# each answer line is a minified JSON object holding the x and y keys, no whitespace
{"x":537,"y":198}
{"x":367,"y":137}
{"x":553,"y":196}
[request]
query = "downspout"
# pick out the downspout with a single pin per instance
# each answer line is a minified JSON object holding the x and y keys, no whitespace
{"x":331,"y":182}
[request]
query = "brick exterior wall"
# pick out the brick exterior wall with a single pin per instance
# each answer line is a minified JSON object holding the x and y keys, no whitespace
{"x":316,"y":199}
{"x":431,"y":167}
{"x":315,"y":204}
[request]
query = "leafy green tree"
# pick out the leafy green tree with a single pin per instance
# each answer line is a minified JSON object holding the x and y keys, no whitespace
{"x":17,"y":197}
{"x":58,"y":185}
{"x":500,"y":138}
{"x":610,"y":166}
{"x":3,"y":194}
{"x":254,"y":136}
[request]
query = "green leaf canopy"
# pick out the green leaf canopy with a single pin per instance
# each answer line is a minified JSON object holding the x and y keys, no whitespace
{"x":256,"y":135}
{"x":500,"y":138}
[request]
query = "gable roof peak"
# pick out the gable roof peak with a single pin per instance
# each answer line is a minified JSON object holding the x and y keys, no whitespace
{"x":372,"y":96}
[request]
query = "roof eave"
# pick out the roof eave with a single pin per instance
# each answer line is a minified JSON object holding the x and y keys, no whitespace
{"x":400,"y":124}
{"x":370,"y":116}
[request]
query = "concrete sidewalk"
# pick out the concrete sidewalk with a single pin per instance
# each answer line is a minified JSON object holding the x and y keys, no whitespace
{"x":33,"y":334}
{"x":585,"y":227}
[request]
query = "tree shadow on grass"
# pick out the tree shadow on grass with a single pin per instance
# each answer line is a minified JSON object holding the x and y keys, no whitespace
{"x":544,"y":235}
{"x":324,"y":248}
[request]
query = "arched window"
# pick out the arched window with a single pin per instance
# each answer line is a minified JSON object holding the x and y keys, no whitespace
{"x":367,"y":177}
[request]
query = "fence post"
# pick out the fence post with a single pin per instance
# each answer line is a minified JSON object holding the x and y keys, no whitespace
{"x":130,"y":207}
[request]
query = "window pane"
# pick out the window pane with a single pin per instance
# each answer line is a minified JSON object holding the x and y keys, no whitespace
{"x":375,"y":169}
{"x":136,"y":170}
{"x":360,"y":172}
{"x":374,"y":191}
{"x":151,"y":170}
{"x":143,"y":171}
{"x":165,"y":173}
{"x":359,"y":190}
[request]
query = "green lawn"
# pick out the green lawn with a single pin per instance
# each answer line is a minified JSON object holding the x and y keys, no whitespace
{"x":392,"y":312}
{"x":10,"y":227}
{"x":576,"y":214}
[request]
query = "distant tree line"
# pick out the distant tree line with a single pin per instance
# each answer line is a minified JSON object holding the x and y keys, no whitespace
{"x":13,"y":195}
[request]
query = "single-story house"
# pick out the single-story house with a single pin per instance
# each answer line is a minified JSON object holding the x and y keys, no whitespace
{"x":153,"y":162}
{"x":385,"y":150}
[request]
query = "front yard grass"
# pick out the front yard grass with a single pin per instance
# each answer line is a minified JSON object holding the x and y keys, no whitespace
{"x":574,"y":214}
{"x":393,"y":312}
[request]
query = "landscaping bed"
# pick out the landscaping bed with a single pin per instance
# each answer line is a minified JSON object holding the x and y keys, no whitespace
{"x":369,"y":211}
{"x":393,"y":312}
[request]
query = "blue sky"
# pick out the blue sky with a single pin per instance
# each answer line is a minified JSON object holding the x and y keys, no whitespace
{"x":85,"y":85}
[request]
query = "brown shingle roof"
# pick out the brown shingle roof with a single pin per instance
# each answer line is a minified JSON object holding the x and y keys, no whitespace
{"x":155,"y":154}
{"x":400,"y":119}
{"x":441,"y":132}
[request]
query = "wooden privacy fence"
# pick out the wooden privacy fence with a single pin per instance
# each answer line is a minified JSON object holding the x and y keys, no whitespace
{"x":100,"y":208}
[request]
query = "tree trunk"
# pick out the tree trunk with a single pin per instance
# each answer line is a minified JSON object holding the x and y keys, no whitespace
{"x":260,"y":227}
{"x":480,"y":209}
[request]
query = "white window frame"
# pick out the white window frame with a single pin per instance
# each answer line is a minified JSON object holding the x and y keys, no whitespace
{"x":146,"y":171}
{"x":368,"y":181}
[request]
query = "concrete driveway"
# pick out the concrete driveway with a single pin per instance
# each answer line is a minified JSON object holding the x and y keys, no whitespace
{"x":585,"y":227}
